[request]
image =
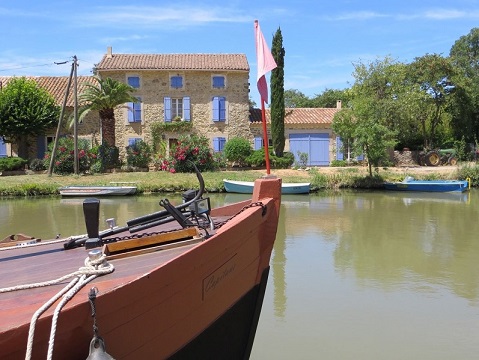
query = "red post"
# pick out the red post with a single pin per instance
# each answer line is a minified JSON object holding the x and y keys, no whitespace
{"x":265,"y":137}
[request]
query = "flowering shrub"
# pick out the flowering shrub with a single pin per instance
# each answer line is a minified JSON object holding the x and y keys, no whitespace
{"x":138,"y":155}
{"x":189,"y":149}
{"x":63,"y":163}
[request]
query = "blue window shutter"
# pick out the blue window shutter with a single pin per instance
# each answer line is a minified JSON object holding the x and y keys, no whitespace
{"x":176,"y":82}
{"x":134,"y":81}
{"x":167,"y":105}
{"x":216,"y":108}
{"x":216,"y":144}
{"x":3,"y":148}
{"x":222,"y":108}
{"x":40,"y":147}
{"x":137,"y":110}
{"x":258,"y":143}
{"x":219,"y":144}
{"x":218,"y":81}
{"x":131,"y":110}
{"x":339,"y":149}
{"x":186,"y":108}
{"x":222,"y":142}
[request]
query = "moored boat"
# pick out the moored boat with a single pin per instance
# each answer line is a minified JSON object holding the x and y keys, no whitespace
{"x":411,"y":184}
{"x":87,"y":190}
{"x":185,"y":282}
{"x":246,"y":187}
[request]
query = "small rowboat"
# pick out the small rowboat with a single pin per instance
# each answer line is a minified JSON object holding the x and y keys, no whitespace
{"x":410,"y":184}
{"x":246,"y":187}
{"x":97,"y":190}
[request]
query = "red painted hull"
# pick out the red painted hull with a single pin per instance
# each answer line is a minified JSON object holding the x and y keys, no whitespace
{"x":174,"y":303}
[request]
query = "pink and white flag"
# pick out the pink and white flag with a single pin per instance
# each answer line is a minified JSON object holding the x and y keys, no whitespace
{"x":265,"y":62}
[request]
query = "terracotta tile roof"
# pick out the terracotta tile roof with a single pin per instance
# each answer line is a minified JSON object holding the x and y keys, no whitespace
{"x":209,"y":62}
{"x":55,"y":85}
{"x":299,"y":116}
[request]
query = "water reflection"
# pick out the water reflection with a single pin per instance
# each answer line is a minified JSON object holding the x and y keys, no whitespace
{"x":354,"y":275}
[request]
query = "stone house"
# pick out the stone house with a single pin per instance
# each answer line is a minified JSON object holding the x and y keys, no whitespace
{"x":211,"y":91}
{"x":307,"y":130}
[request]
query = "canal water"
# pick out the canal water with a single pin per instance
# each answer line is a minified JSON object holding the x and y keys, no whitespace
{"x":354,"y":275}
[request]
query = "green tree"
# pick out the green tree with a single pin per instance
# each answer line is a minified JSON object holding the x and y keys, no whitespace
{"x":373,"y":104}
{"x":296,"y":99}
{"x":104,"y":96}
{"x":432,"y":75}
{"x":344,"y":126}
{"x":464,"y":55}
{"x":25,"y":110}
{"x":277,"y":95}
{"x":329,"y":98}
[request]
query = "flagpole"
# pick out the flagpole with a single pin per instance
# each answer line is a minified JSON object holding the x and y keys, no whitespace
{"x":265,"y":63}
{"x":265,"y":138}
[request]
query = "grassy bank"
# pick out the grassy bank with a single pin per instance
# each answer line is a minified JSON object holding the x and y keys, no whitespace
{"x":150,"y":182}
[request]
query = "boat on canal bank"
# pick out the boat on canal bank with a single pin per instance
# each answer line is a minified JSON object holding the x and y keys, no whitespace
{"x":411,"y":184}
{"x":246,"y":187}
{"x":183,"y":282}
{"x":92,"y":190}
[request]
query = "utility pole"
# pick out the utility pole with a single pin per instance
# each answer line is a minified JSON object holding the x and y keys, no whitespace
{"x":75,"y":115}
{"x":57,"y":136}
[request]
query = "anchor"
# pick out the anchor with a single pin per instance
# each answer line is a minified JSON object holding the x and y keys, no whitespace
{"x":97,"y":345}
{"x":97,"y":350}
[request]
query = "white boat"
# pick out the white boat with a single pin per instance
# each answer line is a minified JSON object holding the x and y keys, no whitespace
{"x":87,"y":190}
{"x":246,"y":187}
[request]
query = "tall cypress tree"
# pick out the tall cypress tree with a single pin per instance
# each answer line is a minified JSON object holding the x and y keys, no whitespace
{"x":277,"y":95}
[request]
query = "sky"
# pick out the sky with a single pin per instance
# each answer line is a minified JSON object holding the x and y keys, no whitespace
{"x":322,"y":39}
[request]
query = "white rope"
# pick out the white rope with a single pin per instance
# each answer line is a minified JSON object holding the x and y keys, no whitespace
{"x":91,"y":270}
{"x":87,"y":269}
{"x":39,"y":312}
{"x":67,"y":297}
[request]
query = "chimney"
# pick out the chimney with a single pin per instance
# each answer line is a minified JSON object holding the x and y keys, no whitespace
{"x":108,"y":52}
{"x":338,"y":104}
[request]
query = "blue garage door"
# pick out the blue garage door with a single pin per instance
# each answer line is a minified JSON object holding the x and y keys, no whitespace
{"x":315,"y":145}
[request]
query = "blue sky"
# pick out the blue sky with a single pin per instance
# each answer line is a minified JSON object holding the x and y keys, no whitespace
{"x":322,"y":38}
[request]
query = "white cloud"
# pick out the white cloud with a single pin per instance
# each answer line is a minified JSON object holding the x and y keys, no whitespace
{"x":171,"y":17}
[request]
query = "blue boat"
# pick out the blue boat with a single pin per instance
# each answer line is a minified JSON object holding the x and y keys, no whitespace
{"x":246,"y":187}
{"x":411,"y":184}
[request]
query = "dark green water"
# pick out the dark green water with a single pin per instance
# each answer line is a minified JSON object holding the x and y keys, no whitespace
{"x":374,"y":275}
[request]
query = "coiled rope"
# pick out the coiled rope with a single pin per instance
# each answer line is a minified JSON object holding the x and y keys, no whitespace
{"x":94,"y":266}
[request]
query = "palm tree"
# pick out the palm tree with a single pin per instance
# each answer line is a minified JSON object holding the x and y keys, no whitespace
{"x":105,"y":96}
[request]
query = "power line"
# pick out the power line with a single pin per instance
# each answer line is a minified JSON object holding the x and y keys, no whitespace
{"x":32,"y":66}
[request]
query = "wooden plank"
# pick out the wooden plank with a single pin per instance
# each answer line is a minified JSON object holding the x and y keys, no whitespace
{"x":153,"y":240}
{"x":151,"y":249}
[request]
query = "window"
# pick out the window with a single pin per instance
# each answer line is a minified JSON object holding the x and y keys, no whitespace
{"x":134,"y":81}
{"x":176,"y":82}
{"x":218,"y":81}
{"x":177,"y":107}
{"x":219,"y":144}
{"x":219,"y":108}
{"x":259,"y":143}
{"x":134,"y":111}
{"x":133,"y":141}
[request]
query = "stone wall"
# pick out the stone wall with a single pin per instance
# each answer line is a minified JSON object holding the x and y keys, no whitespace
{"x":155,"y":85}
